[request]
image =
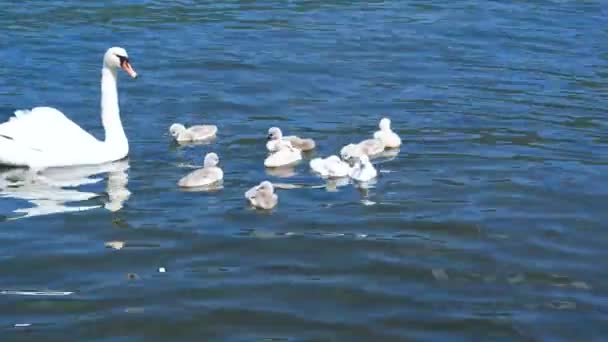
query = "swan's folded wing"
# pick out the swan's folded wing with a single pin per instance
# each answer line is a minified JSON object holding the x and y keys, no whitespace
{"x":45,"y":129}
{"x":203,"y":131}
{"x":199,"y":177}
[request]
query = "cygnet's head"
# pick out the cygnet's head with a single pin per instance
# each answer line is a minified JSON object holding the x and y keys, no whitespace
{"x":117,"y":57}
{"x":176,"y":129}
{"x":266,"y":187}
{"x":385,"y":124}
{"x":274,"y":133}
{"x":348,"y":151}
{"x":211,"y":159}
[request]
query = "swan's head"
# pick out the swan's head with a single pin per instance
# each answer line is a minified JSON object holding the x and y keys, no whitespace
{"x":274,"y":133}
{"x":176,"y":129}
{"x":211,"y":159}
{"x":266,"y":187}
{"x":117,"y":57}
{"x":385,"y":124}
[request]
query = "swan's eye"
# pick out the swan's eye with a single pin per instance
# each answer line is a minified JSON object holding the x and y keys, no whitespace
{"x":122,"y":59}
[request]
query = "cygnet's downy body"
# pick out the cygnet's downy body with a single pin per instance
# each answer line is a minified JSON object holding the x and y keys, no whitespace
{"x":210,"y":174}
{"x":330,"y":167}
{"x":368,"y":147}
{"x":262,"y":196}
{"x":275,"y":136}
{"x":284,"y":155}
{"x":386,"y":135}
{"x":194,"y":133}
{"x":363,"y":171}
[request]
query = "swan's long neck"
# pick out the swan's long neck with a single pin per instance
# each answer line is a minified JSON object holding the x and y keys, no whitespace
{"x":110,"y":113}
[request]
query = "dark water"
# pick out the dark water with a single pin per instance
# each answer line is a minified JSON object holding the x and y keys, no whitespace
{"x":489,"y":224}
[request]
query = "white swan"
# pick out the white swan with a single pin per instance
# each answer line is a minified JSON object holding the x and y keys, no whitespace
{"x":44,"y":137}
{"x":275,"y":136}
{"x":386,"y":135}
{"x":208,"y":175}
{"x":262,"y":196}
{"x":192,"y":133}
{"x":368,"y":147}
{"x":330,"y":167}
{"x":363,"y":171}
{"x":285,"y":155}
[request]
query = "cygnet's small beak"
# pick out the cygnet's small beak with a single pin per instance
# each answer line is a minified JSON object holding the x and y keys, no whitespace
{"x":269,"y":137}
{"x":126,"y":66}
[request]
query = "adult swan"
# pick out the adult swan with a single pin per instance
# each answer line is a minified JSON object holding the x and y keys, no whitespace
{"x":44,"y":137}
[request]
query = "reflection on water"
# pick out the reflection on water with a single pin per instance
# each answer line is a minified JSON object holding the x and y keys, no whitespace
{"x":332,"y":184}
{"x":56,"y":190}
{"x":215,"y":187}
{"x":281,"y":172}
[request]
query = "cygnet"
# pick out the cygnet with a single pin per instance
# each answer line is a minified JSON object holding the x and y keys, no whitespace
{"x":262,"y":196}
{"x":208,"y":175}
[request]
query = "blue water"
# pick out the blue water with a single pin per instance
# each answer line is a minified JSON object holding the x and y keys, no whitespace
{"x":490,"y":223}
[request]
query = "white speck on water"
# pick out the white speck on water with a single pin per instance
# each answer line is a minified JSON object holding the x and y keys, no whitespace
{"x":115,"y":244}
{"x":516,"y":279}
{"x":162,"y":270}
{"x":36,"y":293}
{"x":22,"y":325}
{"x":562,"y":305}
{"x":580,"y":285}
{"x":440,"y":274}
{"x":367,"y":202}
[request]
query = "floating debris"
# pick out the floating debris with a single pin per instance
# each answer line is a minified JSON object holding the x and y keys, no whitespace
{"x":162,"y":270}
{"x":440,"y":274}
{"x":36,"y":293}
{"x":516,"y":279}
{"x":115,"y":244}
{"x":132,"y":276}
{"x":580,"y":285}
{"x":134,"y":310}
{"x":562,"y":305}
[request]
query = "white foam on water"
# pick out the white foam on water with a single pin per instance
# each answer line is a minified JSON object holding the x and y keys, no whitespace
{"x":36,"y":293}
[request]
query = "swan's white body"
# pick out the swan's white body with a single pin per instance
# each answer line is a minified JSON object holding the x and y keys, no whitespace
{"x":44,"y":137}
{"x":363,"y":171}
{"x":330,"y":167}
{"x":285,"y":155}
{"x":386,"y":134}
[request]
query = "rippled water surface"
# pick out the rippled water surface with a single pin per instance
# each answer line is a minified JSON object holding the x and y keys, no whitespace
{"x":490,"y":223}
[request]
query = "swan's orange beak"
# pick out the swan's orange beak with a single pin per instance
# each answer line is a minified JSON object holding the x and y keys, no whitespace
{"x":126,"y":66}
